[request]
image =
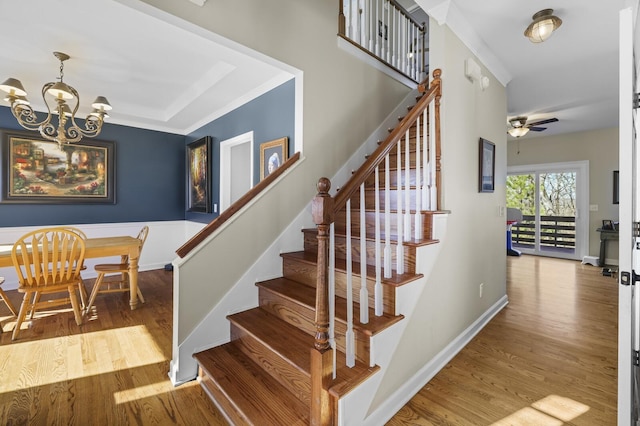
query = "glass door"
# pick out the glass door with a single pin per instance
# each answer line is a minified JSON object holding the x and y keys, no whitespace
{"x":549,"y":197}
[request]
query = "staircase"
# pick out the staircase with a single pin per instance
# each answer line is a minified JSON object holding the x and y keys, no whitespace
{"x":278,"y":368}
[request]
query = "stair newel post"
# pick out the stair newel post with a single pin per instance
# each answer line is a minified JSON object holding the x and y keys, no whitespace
{"x":322,"y":209}
{"x":437,"y":81}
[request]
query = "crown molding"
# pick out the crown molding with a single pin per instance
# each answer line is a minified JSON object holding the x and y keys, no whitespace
{"x":447,"y":12}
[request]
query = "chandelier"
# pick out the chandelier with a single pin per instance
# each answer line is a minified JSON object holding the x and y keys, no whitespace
{"x":56,"y":96}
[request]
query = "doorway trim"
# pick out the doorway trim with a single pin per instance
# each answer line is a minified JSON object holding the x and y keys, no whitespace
{"x":582,"y":194}
{"x":225,"y":163}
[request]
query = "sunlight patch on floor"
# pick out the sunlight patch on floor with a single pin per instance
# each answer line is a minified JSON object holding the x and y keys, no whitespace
{"x":77,"y":356}
{"x":552,"y":410}
{"x":140,"y":392}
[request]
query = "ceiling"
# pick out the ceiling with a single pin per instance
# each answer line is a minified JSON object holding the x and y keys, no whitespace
{"x":156,"y":71}
{"x":161,"y":73}
{"x":572,"y":76}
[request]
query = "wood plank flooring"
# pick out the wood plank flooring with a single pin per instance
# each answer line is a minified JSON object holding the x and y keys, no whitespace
{"x":549,"y":358}
{"x":110,"y":371}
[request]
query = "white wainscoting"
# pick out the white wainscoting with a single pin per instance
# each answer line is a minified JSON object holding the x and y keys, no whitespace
{"x":165,"y":237}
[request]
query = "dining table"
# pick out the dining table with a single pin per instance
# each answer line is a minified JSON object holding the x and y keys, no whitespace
{"x":101,"y":247}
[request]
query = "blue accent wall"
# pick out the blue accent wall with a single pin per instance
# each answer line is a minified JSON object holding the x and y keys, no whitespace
{"x":151,"y":166}
{"x":270,"y":116}
{"x":149,"y":182}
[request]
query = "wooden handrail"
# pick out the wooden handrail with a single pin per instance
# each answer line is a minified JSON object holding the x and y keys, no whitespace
{"x":235,"y":207}
{"x":324,"y":211}
{"x":378,"y":156}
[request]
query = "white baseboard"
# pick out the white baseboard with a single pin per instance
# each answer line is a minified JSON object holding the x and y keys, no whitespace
{"x":404,"y":394}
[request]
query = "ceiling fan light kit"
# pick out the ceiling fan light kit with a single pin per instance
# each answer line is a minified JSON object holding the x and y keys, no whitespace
{"x":55,"y":96}
{"x":518,"y":132}
{"x":543,"y":25}
{"x":519,"y":126}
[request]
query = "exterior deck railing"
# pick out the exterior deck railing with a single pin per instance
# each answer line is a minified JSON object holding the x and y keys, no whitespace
{"x":555,"y":232}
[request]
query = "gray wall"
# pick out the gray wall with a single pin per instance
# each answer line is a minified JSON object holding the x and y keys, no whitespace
{"x":150,"y":176}
{"x":270,"y":116}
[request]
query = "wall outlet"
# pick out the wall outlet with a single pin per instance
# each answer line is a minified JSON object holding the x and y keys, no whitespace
{"x":593,"y":207}
{"x":215,"y":208}
{"x":481,"y":288}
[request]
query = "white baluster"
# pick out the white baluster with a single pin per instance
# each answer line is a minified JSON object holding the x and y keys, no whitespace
{"x":349,"y":336}
{"x":364,"y":293}
{"x":425,"y":161}
{"x":378,"y":287}
{"x":399,"y":218}
{"x":407,"y":188}
{"x":332,"y":294}
{"x":433,"y":191}
{"x":369,"y":20}
{"x":387,"y":219}
{"x":418,"y":234}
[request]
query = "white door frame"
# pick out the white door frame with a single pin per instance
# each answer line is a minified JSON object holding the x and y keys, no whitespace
{"x":225,"y":169}
{"x":629,"y":210}
{"x":581,"y":168}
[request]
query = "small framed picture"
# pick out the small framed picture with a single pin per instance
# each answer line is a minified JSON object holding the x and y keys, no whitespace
{"x":487,"y":166}
{"x":607,"y":225}
{"x":272,"y":155}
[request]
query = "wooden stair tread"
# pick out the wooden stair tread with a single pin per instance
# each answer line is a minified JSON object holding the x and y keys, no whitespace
{"x":394,"y":240}
{"x":395,"y":280}
{"x":251,"y":390}
{"x":295,"y":345}
{"x":306,"y":296}
{"x":288,"y":341}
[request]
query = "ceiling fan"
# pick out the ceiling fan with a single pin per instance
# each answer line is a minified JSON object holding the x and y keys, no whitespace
{"x":519,"y":126}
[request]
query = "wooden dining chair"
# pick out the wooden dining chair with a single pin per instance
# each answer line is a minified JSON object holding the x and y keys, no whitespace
{"x":83,"y":289}
{"x":48,"y":261}
{"x":114,"y":277}
{"x":5,"y":299}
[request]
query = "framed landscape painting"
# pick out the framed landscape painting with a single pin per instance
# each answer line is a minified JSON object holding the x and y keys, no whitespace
{"x":37,"y":170}
{"x":199,"y":175}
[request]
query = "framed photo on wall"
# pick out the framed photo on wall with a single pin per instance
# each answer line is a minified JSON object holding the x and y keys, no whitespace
{"x":39,"y":171}
{"x":199,"y":175}
{"x":272,"y":155}
{"x":487,"y":166}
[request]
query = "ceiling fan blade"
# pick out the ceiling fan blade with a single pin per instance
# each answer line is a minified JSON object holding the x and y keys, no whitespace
{"x":537,"y":129}
{"x":547,"y":121}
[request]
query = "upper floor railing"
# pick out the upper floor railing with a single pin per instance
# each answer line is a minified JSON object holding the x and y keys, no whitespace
{"x":385,"y":30}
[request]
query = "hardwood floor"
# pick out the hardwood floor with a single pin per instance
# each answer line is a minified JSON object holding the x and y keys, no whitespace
{"x":549,"y":358}
{"x":110,"y":371}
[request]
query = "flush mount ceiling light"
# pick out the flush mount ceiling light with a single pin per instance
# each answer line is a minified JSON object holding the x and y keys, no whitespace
{"x":55,"y":96}
{"x":543,"y":25}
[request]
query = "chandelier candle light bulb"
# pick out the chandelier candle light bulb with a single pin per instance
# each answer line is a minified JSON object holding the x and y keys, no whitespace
{"x":67,"y":131}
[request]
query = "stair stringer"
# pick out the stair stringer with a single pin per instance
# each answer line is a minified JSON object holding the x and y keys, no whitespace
{"x":214,"y":329}
{"x":355,"y":408}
